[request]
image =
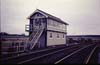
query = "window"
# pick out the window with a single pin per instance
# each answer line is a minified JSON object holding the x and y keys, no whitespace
{"x":22,"y":43}
{"x":63,"y":27}
{"x":50,"y":22}
{"x":50,"y":35}
{"x":44,"y":19}
{"x":13,"y":44}
{"x":21,"y":48}
{"x":63,"y":35}
{"x":37,"y":14}
{"x":16,"y":44}
{"x":57,"y":35}
{"x":54,"y":23}
{"x":4,"y":40}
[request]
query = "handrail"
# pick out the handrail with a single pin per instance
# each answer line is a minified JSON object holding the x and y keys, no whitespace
{"x":29,"y":27}
{"x":36,"y":38}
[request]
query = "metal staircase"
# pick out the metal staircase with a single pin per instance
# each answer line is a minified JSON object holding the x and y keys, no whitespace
{"x":34,"y":37}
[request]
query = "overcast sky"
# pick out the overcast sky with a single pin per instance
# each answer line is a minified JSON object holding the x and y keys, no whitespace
{"x":83,"y":16}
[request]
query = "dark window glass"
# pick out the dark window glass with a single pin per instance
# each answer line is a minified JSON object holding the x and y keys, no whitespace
{"x":50,"y":35}
{"x":63,"y":35}
{"x":37,"y":14}
{"x":16,"y":44}
{"x":57,"y":35}
{"x":22,"y":43}
{"x":21,"y":48}
{"x":13,"y":44}
{"x":36,"y":22}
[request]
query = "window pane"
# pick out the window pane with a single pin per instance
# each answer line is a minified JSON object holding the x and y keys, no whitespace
{"x":63,"y":35}
{"x":50,"y":35}
{"x":57,"y":35}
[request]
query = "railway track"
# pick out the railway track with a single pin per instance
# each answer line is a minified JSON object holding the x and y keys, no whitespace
{"x":94,"y":57}
{"x":25,"y":56}
{"x":51,"y":58}
{"x":82,"y":56}
{"x":91,"y":59}
{"x":13,"y":55}
{"x":62,"y":55}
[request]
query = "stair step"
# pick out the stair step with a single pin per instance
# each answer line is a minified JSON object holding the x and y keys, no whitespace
{"x":34,"y":37}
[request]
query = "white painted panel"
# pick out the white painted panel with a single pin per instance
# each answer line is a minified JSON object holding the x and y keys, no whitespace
{"x":54,"y":40}
{"x":56,"y":26}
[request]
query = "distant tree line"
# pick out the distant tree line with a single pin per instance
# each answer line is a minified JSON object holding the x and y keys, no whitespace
{"x":81,"y":40}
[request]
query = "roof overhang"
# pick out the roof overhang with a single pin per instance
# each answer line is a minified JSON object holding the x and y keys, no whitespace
{"x":37,"y":10}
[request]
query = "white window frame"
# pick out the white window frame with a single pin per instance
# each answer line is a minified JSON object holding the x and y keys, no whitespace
{"x":58,"y":36}
{"x":50,"y":35}
{"x":63,"y":35}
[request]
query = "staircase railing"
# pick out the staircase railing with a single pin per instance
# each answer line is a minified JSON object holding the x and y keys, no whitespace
{"x":34,"y":37}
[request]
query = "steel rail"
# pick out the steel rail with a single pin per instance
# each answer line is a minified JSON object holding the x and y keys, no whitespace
{"x":90,"y":55}
{"x":71,"y":54}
